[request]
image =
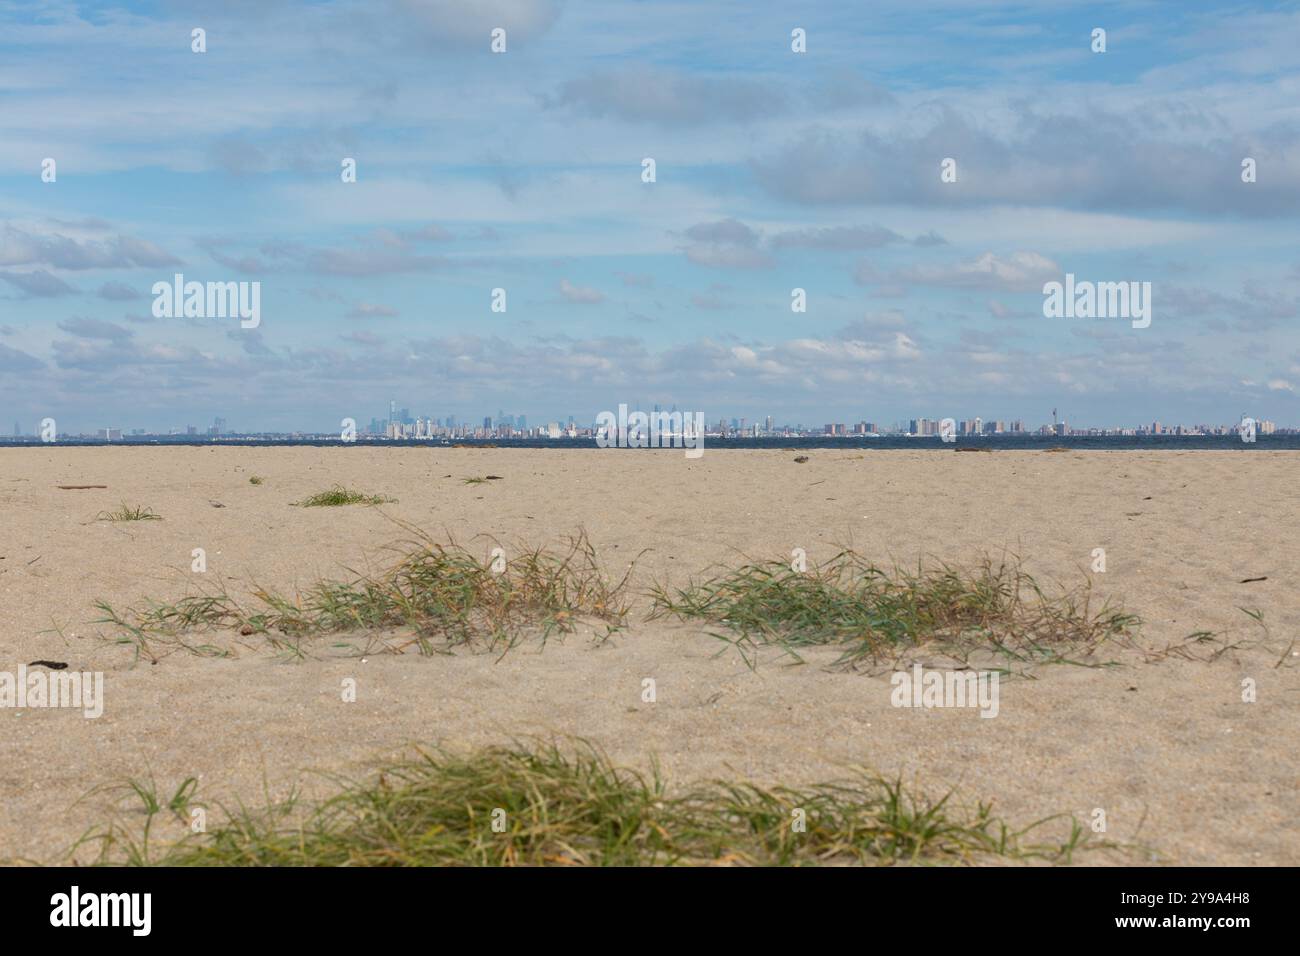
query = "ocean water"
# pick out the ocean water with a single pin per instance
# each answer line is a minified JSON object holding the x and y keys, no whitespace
{"x":995,"y":442}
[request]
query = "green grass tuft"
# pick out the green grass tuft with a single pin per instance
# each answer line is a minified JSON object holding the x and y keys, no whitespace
{"x":574,"y":807}
{"x":437,"y":596}
{"x":126,"y":513}
{"x":874,"y":614}
{"x":338,"y":496}
{"x":256,"y":480}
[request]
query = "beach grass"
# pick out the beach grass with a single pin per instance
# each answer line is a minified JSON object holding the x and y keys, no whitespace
{"x":435,"y":597}
{"x":874,"y":614}
{"x":256,"y":480}
{"x":129,"y":513}
{"x":339,"y":496}
{"x":543,"y":804}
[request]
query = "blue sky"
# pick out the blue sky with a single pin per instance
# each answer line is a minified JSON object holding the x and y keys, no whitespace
{"x":522,"y":171}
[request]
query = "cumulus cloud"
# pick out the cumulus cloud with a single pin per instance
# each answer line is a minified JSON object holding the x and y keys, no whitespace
{"x":370,"y":262}
{"x":726,"y":243}
{"x":95,"y":329}
{"x":730,"y":243}
{"x":14,"y":360}
{"x":371,"y":310}
{"x":1145,"y":158}
{"x":38,"y":284}
{"x":837,"y":237}
{"x":582,"y":295}
{"x":1257,"y":308}
{"x":20,"y":247}
{"x":455,"y":24}
{"x":117,"y":292}
{"x":1017,"y":272}
{"x":712,"y":300}
{"x":669,"y":97}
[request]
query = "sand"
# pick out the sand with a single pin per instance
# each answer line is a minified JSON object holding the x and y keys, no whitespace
{"x":1179,"y":763}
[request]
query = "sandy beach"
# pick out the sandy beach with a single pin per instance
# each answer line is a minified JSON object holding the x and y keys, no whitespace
{"x":1165,"y":745}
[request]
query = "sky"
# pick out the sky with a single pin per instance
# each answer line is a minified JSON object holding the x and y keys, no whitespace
{"x":523,"y":170}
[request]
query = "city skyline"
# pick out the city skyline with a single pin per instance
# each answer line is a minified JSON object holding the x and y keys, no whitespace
{"x":402,"y":423}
